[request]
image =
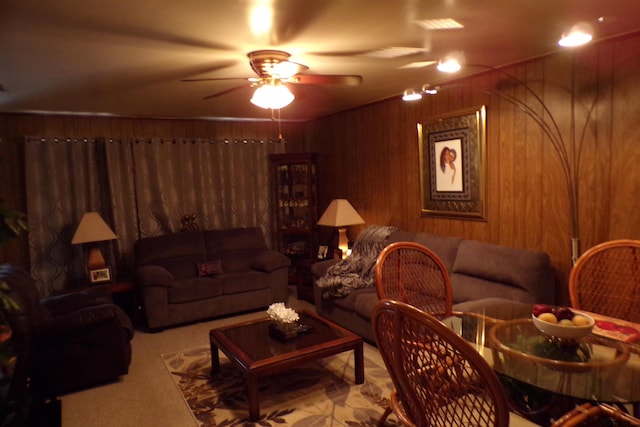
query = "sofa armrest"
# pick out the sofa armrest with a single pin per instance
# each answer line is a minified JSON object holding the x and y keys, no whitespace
{"x":269,"y":261}
{"x":154,"y":275}
{"x":85,"y":318}
{"x":65,"y":303}
{"x":319,"y":269}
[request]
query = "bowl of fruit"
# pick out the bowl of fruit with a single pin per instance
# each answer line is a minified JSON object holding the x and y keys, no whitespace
{"x":561,"y":322}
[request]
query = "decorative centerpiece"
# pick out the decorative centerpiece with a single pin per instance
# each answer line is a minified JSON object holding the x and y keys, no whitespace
{"x":284,"y":321}
{"x":561,"y":322}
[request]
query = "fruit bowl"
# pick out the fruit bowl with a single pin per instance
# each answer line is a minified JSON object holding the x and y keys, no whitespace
{"x":559,"y":330}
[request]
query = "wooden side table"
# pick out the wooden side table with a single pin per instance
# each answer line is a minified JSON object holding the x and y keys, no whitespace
{"x":304,"y":280}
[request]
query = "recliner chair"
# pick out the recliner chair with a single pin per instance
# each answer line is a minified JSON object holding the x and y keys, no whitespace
{"x":66,"y":342}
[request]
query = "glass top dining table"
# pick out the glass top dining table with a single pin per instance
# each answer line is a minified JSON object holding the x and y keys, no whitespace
{"x":598,"y":367}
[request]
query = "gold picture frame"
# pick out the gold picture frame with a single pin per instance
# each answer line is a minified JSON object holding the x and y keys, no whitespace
{"x":452,"y":165}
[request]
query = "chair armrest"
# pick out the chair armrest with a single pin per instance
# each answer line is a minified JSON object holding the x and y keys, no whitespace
{"x":65,"y":303}
{"x":319,"y":269}
{"x":85,"y":318}
{"x":269,"y":261}
{"x":154,"y":275}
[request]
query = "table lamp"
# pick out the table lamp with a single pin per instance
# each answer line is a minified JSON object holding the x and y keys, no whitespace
{"x":93,"y":229}
{"x":340,"y":214}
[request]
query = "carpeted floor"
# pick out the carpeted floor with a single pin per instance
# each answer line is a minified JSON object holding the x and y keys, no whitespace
{"x":317,"y":394}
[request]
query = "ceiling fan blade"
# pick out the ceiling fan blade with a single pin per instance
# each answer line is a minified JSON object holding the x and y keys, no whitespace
{"x":210,"y":79}
{"x":326,"y":79}
{"x":224,"y":92}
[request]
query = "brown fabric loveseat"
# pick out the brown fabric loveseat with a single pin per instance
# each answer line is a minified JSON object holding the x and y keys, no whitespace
{"x":483,"y":275}
{"x":195,"y":275}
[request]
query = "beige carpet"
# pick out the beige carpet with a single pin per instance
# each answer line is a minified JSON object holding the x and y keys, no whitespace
{"x":317,"y":394}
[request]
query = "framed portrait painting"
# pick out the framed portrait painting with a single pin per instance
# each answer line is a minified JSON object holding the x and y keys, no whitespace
{"x":452,"y":164}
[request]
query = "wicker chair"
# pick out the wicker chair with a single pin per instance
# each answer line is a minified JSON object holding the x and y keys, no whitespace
{"x":439,"y":378}
{"x":588,"y":415}
{"x":606,"y":280}
{"x":413,"y":274}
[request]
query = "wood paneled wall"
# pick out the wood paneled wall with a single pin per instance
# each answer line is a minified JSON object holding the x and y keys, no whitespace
{"x":370,"y":155}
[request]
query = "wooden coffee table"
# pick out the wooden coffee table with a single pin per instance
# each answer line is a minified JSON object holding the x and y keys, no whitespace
{"x":250,"y":347}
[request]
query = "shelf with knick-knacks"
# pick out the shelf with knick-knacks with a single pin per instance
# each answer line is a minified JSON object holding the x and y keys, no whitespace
{"x":296,"y":211}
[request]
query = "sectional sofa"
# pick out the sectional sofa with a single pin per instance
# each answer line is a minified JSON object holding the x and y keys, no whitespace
{"x":483,"y":275}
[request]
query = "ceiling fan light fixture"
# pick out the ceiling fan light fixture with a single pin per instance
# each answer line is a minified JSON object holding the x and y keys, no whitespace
{"x":411,"y":95}
{"x":578,"y":35}
{"x":285,"y":69}
{"x":273,"y":96}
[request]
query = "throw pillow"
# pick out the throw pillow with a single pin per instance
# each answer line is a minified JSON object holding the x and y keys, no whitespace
{"x":209,"y":268}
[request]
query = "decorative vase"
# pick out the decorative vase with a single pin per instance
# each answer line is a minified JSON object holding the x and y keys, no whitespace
{"x":283,"y":331}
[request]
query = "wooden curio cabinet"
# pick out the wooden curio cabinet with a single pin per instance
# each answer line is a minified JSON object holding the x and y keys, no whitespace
{"x":295,"y":205}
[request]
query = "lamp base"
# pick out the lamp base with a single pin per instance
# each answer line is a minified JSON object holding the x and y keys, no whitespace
{"x":95,"y":260}
{"x":343,"y":241}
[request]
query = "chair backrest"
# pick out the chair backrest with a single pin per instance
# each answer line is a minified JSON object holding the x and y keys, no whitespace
{"x":606,"y":280}
{"x":440,"y":379}
{"x":413,"y":274}
{"x":588,"y":415}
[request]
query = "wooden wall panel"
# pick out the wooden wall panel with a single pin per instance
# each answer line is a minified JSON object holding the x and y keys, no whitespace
{"x":527,"y":197}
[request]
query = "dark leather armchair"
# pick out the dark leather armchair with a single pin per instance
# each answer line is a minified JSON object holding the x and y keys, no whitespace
{"x":66,"y":342}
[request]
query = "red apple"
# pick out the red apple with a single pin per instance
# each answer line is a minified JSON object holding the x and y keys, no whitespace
{"x":538,"y":309}
{"x":563,"y":313}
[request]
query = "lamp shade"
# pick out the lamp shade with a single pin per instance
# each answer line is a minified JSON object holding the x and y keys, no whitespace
{"x":340,"y":213}
{"x":92,"y":228}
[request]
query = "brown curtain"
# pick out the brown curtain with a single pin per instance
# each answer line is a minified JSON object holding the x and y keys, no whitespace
{"x":141,"y":187}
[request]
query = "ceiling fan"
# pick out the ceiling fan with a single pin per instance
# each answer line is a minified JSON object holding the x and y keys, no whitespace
{"x":274,"y":72}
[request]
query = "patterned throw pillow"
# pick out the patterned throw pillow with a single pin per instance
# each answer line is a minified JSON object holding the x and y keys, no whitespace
{"x":209,"y":268}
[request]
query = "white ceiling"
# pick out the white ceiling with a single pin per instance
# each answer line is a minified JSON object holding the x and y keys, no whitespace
{"x":125,"y":57}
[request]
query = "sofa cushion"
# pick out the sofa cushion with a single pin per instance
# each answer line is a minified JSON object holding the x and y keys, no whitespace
{"x":243,"y":282}
{"x":466,"y":288}
{"x":235,"y":247}
{"x":178,"y":253}
{"x":194,"y":289}
{"x":445,"y":247}
{"x":360,"y":301}
{"x":522,"y":268}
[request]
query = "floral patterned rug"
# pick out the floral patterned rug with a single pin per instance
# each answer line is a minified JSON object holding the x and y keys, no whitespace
{"x":318,"y":394}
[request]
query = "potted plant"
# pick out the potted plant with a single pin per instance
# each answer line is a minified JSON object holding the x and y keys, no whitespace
{"x":12,"y":224}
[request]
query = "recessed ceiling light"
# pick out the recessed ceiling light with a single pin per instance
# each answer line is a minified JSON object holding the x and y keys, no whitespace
{"x":418,"y":64}
{"x":394,"y":52}
{"x":439,"y":24}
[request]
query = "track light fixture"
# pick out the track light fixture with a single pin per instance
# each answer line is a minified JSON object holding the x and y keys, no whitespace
{"x":411,"y":95}
{"x":578,"y":35}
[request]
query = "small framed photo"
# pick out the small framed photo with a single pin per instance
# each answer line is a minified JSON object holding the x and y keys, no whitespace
{"x":322,"y":252}
{"x":101,"y":275}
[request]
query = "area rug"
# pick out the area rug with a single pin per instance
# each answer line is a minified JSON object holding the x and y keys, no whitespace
{"x":317,"y":394}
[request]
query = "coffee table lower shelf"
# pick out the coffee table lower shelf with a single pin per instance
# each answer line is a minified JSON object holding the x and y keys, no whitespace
{"x":251,"y":349}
